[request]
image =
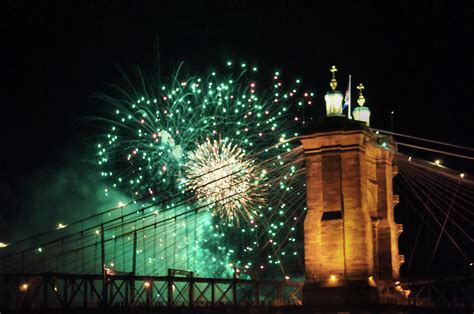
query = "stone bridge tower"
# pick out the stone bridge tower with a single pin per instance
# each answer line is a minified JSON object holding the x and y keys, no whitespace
{"x":350,"y":235}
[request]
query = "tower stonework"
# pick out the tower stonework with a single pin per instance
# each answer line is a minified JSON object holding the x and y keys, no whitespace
{"x":350,"y":235}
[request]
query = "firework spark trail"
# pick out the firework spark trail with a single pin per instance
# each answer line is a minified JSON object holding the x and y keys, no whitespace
{"x":146,"y":216}
{"x":191,"y":110}
{"x":149,"y":225}
{"x":161,"y":139}
{"x":213,"y":155}
{"x":146,"y":153}
{"x":122,"y":206}
{"x":120,"y":220}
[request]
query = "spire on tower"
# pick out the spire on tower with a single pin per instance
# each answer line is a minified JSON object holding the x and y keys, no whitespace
{"x":334,"y":97}
{"x":361,"y":113}
{"x":361,"y":99}
{"x":333,"y":83}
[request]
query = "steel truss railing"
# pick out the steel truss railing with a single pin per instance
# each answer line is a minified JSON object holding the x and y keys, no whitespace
{"x":450,"y":291}
{"x":60,"y":290}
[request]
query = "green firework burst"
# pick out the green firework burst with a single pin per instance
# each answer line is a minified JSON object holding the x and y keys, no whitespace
{"x":158,"y":133}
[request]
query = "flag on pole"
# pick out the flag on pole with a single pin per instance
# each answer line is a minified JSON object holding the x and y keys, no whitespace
{"x":347,"y":99}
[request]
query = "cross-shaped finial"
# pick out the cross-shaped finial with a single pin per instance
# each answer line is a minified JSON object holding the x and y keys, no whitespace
{"x":361,"y":99}
{"x":333,"y":83}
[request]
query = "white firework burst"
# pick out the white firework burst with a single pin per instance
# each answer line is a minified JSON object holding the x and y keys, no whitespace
{"x":222,"y":174}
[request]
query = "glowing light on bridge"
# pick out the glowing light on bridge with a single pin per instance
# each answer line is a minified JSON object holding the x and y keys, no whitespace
{"x":24,"y":287}
{"x":371,"y":281}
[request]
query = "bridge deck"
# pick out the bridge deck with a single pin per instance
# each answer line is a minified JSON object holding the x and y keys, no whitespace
{"x":59,"y":290}
{"x":23,"y":291}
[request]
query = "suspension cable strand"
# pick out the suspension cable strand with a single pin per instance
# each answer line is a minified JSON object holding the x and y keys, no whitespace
{"x":150,"y":196}
{"x":436,"y":204}
{"x":444,"y":224}
{"x":436,"y":151}
{"x":438,"y":222}
{"x":425,"y":140}
{"x":120,"y":227}
{"x":237,"y":172}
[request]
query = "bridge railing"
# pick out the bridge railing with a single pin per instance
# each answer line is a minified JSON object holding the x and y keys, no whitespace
{"x":449,"y":291}
{"x":54,"y":290}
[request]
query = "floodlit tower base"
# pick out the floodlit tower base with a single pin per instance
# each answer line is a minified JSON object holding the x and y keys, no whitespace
{"x":351,"y":238}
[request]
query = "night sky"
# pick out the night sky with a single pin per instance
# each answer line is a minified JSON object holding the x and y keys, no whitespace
{"x":415,"y":58}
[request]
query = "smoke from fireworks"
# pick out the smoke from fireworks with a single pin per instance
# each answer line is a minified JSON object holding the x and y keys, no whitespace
{"x":223,"y":137}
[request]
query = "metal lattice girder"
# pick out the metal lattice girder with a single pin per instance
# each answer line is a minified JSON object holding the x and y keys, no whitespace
{"x":56,"y":290}
{"x":160,"y":293}
{"x":293,"y":294}
{"x":181,"y":293}
{"x":245,"y":293}
{"x":223,"y":293}
{"x":451,"y":291}
{"x":140,"y":293}
{"x":117,"y":289}
{"x":77,"y":291}
{"x":267,"y":294}
{"x":95,"y":297}
{"x":202,"y":294}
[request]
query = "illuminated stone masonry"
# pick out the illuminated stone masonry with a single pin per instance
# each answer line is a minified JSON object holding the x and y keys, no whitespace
{"x":350,"y":235}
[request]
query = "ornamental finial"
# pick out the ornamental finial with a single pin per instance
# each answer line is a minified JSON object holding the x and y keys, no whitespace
{"x":333,"y":83}
{"x":361,"y":99}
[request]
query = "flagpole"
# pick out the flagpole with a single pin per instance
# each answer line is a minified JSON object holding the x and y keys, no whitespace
{"x":349,"y":113}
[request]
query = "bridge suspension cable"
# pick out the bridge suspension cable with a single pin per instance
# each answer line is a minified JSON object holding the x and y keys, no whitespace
{"x":450,"y":196}
{"x":122,"y":222}
{"x":424,"y":139}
